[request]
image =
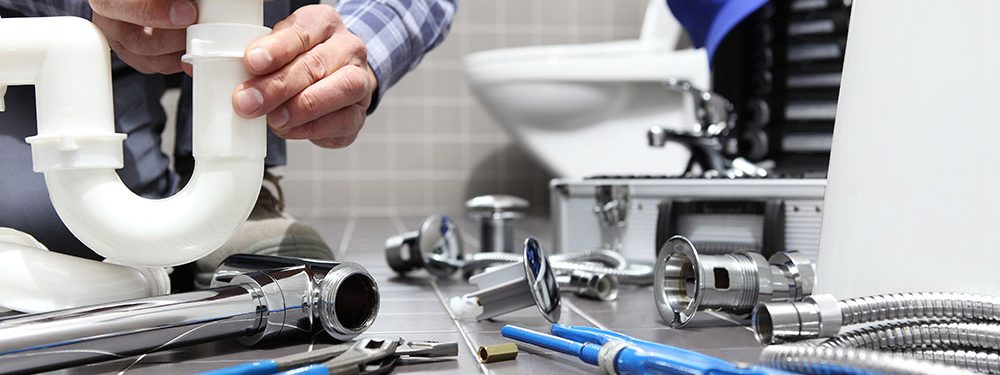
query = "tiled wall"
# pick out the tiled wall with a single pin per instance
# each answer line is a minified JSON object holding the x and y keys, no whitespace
{"x":431,"y":145}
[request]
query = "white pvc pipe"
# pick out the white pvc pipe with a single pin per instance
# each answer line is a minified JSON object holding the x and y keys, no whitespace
{"x":36,"y":280}
{"x":68,"y":61}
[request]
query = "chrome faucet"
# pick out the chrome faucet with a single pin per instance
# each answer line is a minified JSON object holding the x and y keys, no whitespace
{"x":709,"y":139}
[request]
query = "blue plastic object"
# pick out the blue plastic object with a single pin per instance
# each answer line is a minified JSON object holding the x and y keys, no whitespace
{"x":709,"y":21}
{"x":255,"y":368}
{"x":307,"y":370}
{"x":637,"y":356}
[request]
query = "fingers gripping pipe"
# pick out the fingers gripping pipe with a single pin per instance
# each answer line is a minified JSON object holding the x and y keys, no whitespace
{"x":68,"y":61}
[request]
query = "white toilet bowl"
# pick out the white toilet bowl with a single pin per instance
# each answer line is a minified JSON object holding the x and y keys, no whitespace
{"x":584,"y":110}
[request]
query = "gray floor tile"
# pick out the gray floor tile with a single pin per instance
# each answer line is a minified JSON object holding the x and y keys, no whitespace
{"x":414,"y":307}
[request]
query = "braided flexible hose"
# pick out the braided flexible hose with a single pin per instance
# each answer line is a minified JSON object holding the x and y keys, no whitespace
{"x":919,"y":306}
{"x":596,"y":261}
{"x":810,"y":359}
{"x":983,"y":362}
{"x":912,"y":335}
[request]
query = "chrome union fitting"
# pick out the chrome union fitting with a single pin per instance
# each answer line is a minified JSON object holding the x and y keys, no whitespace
{"x":686,"y":282}
{"x":496,"y":215}
{"x":437,"y":246}
{"x":814,"y":317}
{"x":530,"y":282}
{"x":601,"y":287}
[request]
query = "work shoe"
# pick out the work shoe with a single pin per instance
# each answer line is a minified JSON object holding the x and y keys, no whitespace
{"x":268,"y":231}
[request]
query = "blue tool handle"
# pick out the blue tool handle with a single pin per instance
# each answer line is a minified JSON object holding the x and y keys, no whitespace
{"x":254,"y":368}
{"x":635,"y":360}
{"x":588,"y":352}
{"x":642,"y":357}
{"x":308,"y":370}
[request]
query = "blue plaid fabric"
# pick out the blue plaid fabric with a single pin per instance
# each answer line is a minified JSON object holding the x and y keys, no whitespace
{"x":397,"y":32}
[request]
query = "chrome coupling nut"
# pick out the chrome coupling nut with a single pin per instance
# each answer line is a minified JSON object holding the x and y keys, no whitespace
{"x":686,"y":282}
{"x":601,"y":287}
{"x":814,"y":317}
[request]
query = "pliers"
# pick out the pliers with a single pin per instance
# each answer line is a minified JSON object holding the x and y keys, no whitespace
{"x":368,"y":356}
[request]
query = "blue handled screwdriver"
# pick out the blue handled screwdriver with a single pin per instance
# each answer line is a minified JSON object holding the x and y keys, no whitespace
{"x":616,"y":353}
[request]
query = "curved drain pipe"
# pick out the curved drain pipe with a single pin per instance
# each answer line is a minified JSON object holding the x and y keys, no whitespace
{"x":36,"y":280}
{"x":68,"y":61}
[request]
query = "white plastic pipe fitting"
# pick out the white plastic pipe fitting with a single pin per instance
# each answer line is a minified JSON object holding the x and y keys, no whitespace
{"x":36,"y":280}
{"x":68,"y":61}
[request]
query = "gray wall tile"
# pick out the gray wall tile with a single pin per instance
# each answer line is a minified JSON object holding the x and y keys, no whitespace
{"x":431,"y":144}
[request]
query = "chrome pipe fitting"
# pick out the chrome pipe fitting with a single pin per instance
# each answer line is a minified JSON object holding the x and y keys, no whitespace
{"x":436,"y":246}
{"x":814,"y":317}
{"x":255,"y":298}
{"x":530,"y":282}
{"x":824,"y":315}
{"x":601,"y":287}
{"x":496,"y":215}
{"x":686,"y":282}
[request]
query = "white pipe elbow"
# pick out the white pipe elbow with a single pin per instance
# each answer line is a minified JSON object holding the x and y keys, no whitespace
{"x":128,"y":229}
{"x":68,"y":60}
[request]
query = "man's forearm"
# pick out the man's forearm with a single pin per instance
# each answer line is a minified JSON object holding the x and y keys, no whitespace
{"x":49,"y":8}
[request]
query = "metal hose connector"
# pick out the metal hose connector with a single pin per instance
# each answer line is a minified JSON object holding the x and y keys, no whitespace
{"x":810,"y":359}
{"x":982,"y":362}
{"x":823,"y":316}
{"x":916,"y":335}
{"x":687,"y":281}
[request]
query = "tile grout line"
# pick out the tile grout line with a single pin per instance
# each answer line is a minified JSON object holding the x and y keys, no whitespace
{"x":728,"y":319}
{"x":461,"y":331}
{"x":580,"y":312}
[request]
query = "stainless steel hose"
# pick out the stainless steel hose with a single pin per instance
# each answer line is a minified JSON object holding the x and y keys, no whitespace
{"x":605,"y":262}
{"x":982,"y":362}
{"x":823,"y":316}
{"x":811,"y":359}
{"x":915,"y":335}
{"x":919,"y":305}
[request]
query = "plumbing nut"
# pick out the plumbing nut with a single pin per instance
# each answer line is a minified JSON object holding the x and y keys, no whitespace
{"x":814,"y":317}
{"x":686,"y":282}
{"x":496,"y":214}
{"x":497,"y":353}
{"x":601,"y":287}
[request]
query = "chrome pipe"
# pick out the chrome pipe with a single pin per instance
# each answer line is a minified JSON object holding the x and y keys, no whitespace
{"x":257,"y":304}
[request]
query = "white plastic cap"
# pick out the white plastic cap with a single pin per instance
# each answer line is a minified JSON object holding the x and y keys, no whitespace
{"x":465,"y":307}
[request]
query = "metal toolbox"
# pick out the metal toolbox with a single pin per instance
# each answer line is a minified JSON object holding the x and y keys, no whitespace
{"x":636,"y":215}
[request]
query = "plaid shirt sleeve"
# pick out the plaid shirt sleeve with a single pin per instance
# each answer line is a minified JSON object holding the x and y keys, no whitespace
{"x":397,"y":33}
{"x":49,"y":8}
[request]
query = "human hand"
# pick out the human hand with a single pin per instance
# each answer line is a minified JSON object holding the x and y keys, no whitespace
{"x":312,"y":79}
{"x":148,"y":35}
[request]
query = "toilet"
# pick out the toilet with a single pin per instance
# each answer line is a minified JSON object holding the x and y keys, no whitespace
{"x":584,"y":110}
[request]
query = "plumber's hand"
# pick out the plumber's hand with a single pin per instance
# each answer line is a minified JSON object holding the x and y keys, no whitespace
{"x":313,"y":80}
{"x":148,"y":35}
